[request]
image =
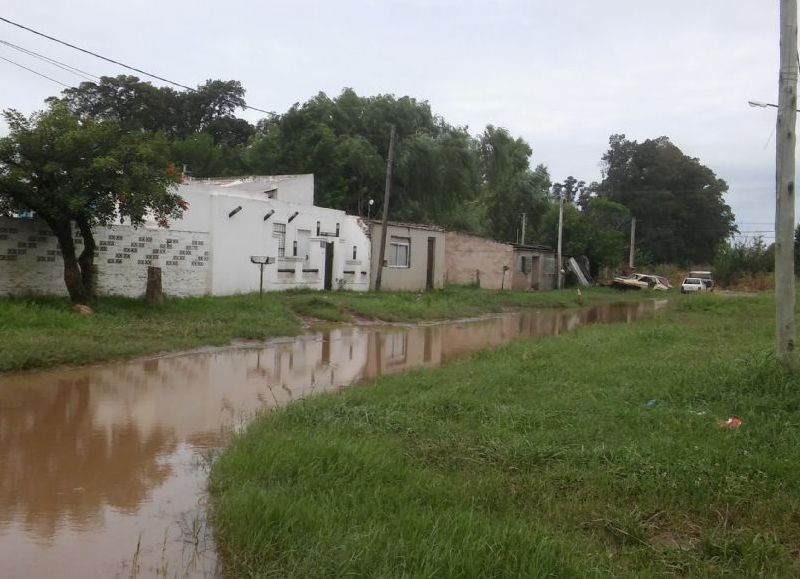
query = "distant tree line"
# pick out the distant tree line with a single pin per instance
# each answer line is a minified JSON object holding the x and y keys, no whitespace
{"x":478,"y":184}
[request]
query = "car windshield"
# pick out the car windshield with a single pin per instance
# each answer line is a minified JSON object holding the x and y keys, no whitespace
{"x":692,"y":281}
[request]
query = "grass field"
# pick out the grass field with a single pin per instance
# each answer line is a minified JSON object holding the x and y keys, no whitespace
{"x":39,"y":332}
{"x":594,"y":453}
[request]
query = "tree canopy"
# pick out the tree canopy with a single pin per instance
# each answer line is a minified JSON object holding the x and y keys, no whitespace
{"x":678,"y":202}
{"x":443,"y":174}
{"x":478,"y":184}
{"x":83,"y":172}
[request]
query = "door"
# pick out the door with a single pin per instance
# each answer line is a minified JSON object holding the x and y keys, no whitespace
{"x":329,"y":265}
{"x":431,"y":257}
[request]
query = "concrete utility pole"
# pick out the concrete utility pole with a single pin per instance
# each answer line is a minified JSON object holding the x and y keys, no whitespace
{"x":385,"y":224}
{"x":524,"y":218}
{"x":633,"y":242}
{"x":785,"y":185}
{"x":560,"y":231}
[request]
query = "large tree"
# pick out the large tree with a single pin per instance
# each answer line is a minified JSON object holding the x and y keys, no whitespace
{"x":344,"y":142}
{"x":597,"y":231}
{"x":83,"y":173}
{"x":511,"y":188}
{"x":677,"y":201}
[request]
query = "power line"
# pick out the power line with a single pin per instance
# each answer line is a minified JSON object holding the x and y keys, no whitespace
{"x":76,"y":71}
{"x":35,"y":72}
{"x":111,"y":60}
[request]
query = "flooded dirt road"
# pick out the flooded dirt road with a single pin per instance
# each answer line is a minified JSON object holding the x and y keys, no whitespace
{"x":103,"y":468}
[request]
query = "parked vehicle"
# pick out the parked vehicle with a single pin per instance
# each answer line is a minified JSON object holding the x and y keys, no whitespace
{"x":706,"y":276}
{"x":693,"y":285}
{"x":641,"y":281}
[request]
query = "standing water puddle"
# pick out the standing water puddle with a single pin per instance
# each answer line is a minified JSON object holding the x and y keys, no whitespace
{"x":103,"y":468}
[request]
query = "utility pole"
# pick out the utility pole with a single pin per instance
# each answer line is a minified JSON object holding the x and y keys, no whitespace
{"x":385,"y":224}
{"x":524,"y":218}
{"x":785,"y":185}
{"x":560,"y":232}
{"x":633,"y":242}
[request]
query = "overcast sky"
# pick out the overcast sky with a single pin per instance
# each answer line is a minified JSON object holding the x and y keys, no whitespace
{"x":563,"y":75}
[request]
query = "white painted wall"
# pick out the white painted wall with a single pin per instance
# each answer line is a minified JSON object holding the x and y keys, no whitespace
{"x":207,"y":250}
{"x":235,"y":238}
{"x":30,"y":262}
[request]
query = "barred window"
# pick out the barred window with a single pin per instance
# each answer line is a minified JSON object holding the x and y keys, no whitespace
{"x":279,"y":231}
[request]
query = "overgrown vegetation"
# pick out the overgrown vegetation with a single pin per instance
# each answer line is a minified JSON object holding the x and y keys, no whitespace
{"x":42,"y":331}
{"x":39,"y":332}
{"x":594,"y":453}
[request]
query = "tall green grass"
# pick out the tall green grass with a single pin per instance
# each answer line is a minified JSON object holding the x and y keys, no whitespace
{"x":594,"y":453}
{"x":42,"y":331}
{"x":39,"y":332}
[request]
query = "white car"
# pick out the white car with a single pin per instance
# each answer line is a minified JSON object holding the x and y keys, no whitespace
{"x":692,"y":284}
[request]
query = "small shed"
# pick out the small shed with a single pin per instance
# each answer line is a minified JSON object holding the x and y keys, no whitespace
{"x":414,"y":259}
{"x":534,"y":268}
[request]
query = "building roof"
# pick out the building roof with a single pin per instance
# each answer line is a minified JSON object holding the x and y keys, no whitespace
{"x":422,"y":226}
{"x":529,"y":247}
{"x":252,"y":186}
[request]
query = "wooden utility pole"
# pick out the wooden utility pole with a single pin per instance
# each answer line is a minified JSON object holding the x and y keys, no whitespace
{"x":785,"y":185}
{"x":560,"y":232}
{"x":524,"y":219}
{"x":633,"y":243}
{"x":385,"y":224}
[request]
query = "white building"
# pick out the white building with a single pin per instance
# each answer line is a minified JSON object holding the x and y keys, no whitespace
{"x":208,"y":250}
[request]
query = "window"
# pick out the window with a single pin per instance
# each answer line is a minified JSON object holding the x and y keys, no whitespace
{"x":355,"y":252}
{"x":400,"y":252}
{"x":318,"y":228}
{"x":524,"y":264}
{"x":279,"y":231}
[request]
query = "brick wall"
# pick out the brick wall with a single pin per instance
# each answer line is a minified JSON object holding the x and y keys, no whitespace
{"x":30,"y":262}
{"x":466,"y":255}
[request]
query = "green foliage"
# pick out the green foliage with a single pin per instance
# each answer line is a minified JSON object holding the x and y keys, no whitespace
{"x":41,"y":331}
{"x":511,"y":187}
{"x":442,"y":174}
{"x":344,"y":142}
{"x":598,"y":231}
{"x":734,"y":260}
{"x":85,"y":172}
{"x":528,"y":462}
{"x":137,"y":105}
{"x":677,"y":200}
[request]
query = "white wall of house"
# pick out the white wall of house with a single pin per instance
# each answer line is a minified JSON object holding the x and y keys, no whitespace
{"x":234,"y":212}
{"x":30,"y":262}
{"x":208,"y":250}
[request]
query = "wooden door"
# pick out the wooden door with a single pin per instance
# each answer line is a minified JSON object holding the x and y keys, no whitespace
{"x":329,"y":265}
{"x":431,"y":264}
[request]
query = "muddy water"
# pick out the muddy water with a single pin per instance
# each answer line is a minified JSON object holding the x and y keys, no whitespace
{"x":102,"y":468}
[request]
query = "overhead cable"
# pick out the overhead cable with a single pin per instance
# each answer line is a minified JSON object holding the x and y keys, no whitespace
{"x":35,"y":72}
{"x":111,"y":60}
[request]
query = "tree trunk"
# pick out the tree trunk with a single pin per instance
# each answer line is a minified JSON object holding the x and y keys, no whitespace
{"x":72,"y":271}
{"x":86,"y":260}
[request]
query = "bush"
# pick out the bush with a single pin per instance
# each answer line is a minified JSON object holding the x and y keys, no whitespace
{"x":742,"y":264}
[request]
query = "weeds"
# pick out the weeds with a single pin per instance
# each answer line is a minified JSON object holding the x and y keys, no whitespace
{"x":536,"y":459}
{"x":42,"y":331}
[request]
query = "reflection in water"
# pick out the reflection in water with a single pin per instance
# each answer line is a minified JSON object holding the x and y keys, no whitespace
{"x":93,"y":458}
